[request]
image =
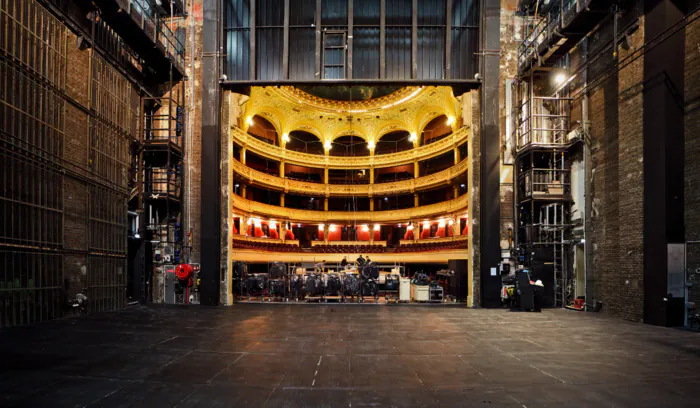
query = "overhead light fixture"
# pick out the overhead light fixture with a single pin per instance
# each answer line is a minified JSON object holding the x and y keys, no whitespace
{"x":413,"y":137}
{"x":250,"y":221}
{"x":249,"y":121}
{"x":327,"y":145}
{"x":321,"y":227}
{"x":365,"y":228}
{"x":450,"y":120}
{"x":331,"y":228}
{"x":273,"y":224}
{"x":399,"y":225}
{"x":285,"y":137}
{"x":370,"y":144}
{"x":299,"y":225}
{"x":451,"y":222}
{"x":441,"y":223}
{"x":462,"y":185}
{"x":386,"y":198}
{"x":237,"y":185}
{"x":377,"y":227}
{"x":410,"y":227}
{"x":560,"y":78}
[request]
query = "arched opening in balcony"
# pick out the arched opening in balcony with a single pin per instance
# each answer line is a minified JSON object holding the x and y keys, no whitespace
{"x":262,"y":129}
{"x":305,"y":142}
{"x":349,"y":146}
{"x":393,"y":142}
{"x":435,"y":130}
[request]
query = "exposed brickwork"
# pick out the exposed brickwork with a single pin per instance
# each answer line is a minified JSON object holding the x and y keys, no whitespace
{"x":77,"y":83}
{"x":472,"y":100}
{"x":193,"y":159}
{"x":692,"y":153}
{"x":626,"y":289}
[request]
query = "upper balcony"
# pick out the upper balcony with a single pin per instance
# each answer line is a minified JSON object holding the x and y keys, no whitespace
{"x":454,"y":207}
{"x":427,"y":151}
{"x":384,"y":189}
{"x":556,"y":30}
{"x":143,"y":25}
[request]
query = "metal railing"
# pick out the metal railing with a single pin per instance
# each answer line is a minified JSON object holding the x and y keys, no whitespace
{"x":545,"y":182}
{"x":542,"y":120}
{"x":143,"y":12}
{"x":165,"y":181}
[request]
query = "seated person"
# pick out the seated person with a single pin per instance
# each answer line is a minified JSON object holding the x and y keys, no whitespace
{"x":360,"y":260}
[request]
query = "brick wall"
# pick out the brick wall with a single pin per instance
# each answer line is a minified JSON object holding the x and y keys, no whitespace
{"x":193,"y":158}
{"x":692,"y":153}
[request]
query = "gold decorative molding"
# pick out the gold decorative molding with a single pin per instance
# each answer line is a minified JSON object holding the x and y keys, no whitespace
{"x":454,"y":208}
{"x":409,"y":109}
{"x":270,"y":181}
{"x":442,"y":256}
{"x":437,"y":148}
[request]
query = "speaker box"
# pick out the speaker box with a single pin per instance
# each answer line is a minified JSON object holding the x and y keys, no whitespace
{"x":459,"y":284}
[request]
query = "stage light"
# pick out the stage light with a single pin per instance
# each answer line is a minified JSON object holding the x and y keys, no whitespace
{"x":560,"y":78}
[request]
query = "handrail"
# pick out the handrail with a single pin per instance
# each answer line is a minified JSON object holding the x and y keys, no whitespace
{"x":454,"y":207}
{"x":390,"y":188}
{"x":350,"y":162}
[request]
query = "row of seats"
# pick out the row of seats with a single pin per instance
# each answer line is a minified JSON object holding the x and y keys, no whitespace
{"x":266,"y":246}
{"x":432,"y":246}
{"x":344,"y":249}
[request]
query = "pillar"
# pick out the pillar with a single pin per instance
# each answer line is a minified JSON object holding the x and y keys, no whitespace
{"x":371,"y":175}
{"x":242,"y":158}
{"x":326,"y":230}
{"x":325,"y":175}
{"x":455,"y":227}
{"x":455,"y":191}
{"x":457,"y":158}
{"x":282,"y":200}
{"x":282,"y":168}
{"x":325,"y":204}
{"x":243,"y":191}
{"x":283,"y":229}
{"x":416,"y":169}
{"x":371,"y":203}
{"x":416,"y":200}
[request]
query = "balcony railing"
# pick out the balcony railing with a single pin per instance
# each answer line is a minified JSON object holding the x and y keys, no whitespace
{"x":542,"y":120}
{"x":144,"y":14}
{"x":545,"y":183}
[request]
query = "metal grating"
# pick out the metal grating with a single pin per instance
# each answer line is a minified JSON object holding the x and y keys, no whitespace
{"x":109,"y":153}
{"x":106,"y":282}
{"x":110,"y":94}
{"x":108,"y":222}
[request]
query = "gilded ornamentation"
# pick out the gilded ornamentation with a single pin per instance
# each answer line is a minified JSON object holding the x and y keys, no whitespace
{"x":398,"y":187}
{"x":409,"y":108}
{"x":349,"y":162}
{"x":449,"y":209}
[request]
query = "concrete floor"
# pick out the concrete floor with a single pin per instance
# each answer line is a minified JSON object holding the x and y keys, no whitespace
{"x":347,"y":355}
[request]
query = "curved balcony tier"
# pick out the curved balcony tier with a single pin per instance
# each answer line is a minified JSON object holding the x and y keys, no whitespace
{"x":286,"y":185}
{"x":451,"y":208}
{"x":273,"y":152}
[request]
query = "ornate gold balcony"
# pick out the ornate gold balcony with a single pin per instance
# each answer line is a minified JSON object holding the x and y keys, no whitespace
{"x":437,"y":148}
{"x":381,"y":189}
{"x":455,"y":207}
